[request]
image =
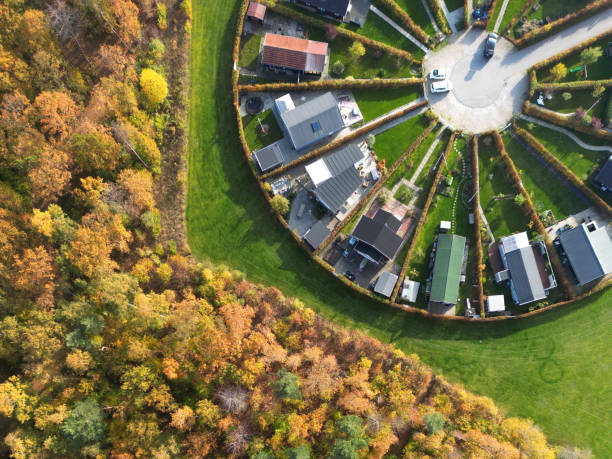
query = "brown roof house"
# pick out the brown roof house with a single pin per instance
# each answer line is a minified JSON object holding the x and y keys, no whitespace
{"x":292,"y":53}
{"x":256,"y":12}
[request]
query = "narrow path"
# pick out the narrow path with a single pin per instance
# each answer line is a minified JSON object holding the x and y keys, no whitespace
{"x":500,"y":16}
{"x":568,"y":133}
{"x":397,"y":27}
{"x":448,"y":16}
{"x":431,"y":18}
{"x":433,"y":146}
{"x":485,"y":222}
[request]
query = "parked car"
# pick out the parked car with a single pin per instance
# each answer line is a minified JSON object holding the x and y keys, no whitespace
{"x":350,"y":276}
{"x":490,"y":43}
{"x":441,"y":86}
{"x":437,"y":74}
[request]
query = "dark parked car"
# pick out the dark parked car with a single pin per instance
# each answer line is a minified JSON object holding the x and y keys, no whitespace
{"x":490,"y":43}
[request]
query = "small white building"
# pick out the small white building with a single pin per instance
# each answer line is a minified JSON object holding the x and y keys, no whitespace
{"x":496,"y":303}
{"x":410,"y":290}
{"x":445,"y":226}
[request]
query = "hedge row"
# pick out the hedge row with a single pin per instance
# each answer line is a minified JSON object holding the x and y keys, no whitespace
{"x":563,"y":54}
{"x":376,"y":187}
{"x":572,"y":85}
{"x":526,"y":8}
{"x":406,"y":20}
{"x":467,"y":12}
{"x":439,"y":16}
{"x":533,"y":215}
{"x":565,"y":121}
{"x":423,"y":219}
{"x":321,"y":85}
{"x":342,"y":140}
{"x":239,"y":25}
{"x":533,"y":82}
{"x":477,"y":223}
{"x":314,"y":22}
{"x":563,"y":169}
{"x":542,"y":32}
{"x":484,"y":24}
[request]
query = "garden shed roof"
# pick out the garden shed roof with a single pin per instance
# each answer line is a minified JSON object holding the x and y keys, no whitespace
{"x":447,"y":269}
{"x":256,"y":10}
{"x":317,"y":234}
{"x":269,"y":157}
{"x":589,"y":251}
{"x":385,"y":284}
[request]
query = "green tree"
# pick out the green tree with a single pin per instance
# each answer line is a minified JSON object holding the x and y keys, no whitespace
{"x":154,"y":87}
{"x":558,"y":71}
{"x":591,"y":55}
{"x":287,"y":386}
{"x":338,"y":68}
{"x":350,"y":431}
{"x":280,"y":204}
{"x":156,"y":49}
{"x":519,"y":199}
{"x":434,"y":423}
{"x":299,"y":452}
{"x":356,"y":50}
{"x":85,"y":424}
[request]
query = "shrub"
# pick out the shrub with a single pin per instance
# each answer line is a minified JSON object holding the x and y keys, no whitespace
{"x":383,"y":197}
{"x":331,"y":32}
{"x":338,"y":68}
{"x":357,"y":50}
{"x":162,"y":20}
{"x":598,"y":90}
{"x":154,"y":87}
{"x":280,"y":204}
{"x":187,"y":9}
{"x":558,"y":71}
{"x":434,"y":423}
{"x":370,"y":140}
{"x":566,"y":96}
{"x":156,"y":49}
{"x":591,"y":55}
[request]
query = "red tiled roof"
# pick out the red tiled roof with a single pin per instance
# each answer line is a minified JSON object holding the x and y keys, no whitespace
{"x":256,"y":10}
{"x":294,"y":53}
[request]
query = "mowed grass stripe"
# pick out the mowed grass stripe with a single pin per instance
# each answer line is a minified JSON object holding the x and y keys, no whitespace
{"x":553,"y":368}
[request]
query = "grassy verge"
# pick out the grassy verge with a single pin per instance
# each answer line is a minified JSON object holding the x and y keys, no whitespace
{"x":418,"y":14}
{"x":376,"y":102}
{"x":505,"y":217}
{"x":249,"y":51}
{"x":562,"y":357}
{"x":252,"y":130}
{"x":392,"y":143}
{"x":546,"y":190}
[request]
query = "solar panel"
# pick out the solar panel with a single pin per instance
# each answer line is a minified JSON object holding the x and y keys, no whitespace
{"x":315,"y":126}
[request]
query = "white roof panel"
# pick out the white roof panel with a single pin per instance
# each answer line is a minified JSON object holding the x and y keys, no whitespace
{"x":318,"y":172}
{"x":410,"y":290}
{"x":496,"y":303}
{"x":284,"y":104}
{"x":515,"y":242}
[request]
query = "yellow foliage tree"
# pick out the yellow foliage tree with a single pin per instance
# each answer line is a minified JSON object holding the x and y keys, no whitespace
{"x":154,"y":87}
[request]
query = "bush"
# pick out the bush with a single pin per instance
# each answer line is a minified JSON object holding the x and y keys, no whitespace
{"x":434,"y":422}
{"x":280,"y":204}
{"x":162,"y":20}
{"x":357,"y":50}
{"x":558,"y":71}
{"x":338,"y":68}
{"x":156,"y":49}
{"x":383,"y":197}
{"x":187,"y":9}
{"x":154,"y":87}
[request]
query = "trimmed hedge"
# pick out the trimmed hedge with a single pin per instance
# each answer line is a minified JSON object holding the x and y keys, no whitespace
{"x":406,"y":20}
{"x":485,"y":24}
{"x":467,"y":12}
{"x":542,"y":32}
{"x":376,"y":187}
{"x":572,"y":85}
{"x":563,"y":169}
{"x":526,"y":8}
{"x":565,"y":121}
{"x":423,"y":218}
{"x":533,"y":82}
{"x":239,"y":26}
{"x":309,"y":20}
{"x":439,"y":16}
{"x":321,"y":85}
{"x":563,"y":54}
{"x":342,"y":140}
{"x":477,"y":223}
{"x":533,"y":215}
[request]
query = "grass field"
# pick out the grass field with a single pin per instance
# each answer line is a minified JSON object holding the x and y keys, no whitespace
{"x":582,"y":99}
{"x":418,"y":14}
{"x":249,"y":51}
{"x":376,"y":102}
{"x":392,"y":143}
{"x":555,"y":368}
{"x":547,"y":192}
{"x":252,"y":130}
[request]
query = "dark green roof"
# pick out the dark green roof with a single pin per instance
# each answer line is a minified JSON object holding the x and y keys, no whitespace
{"x":447,"y":269}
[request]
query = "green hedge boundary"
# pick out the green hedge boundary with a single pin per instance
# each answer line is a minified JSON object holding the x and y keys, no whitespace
{"x":406,"y":20}
{"x":572,"y":18}
{"x":320,"y":85}
{"x":439,"y":16}
{"x":288,"y":12}
{"x":565,"y":121}
{"x":533,"y":215}
{"x":422,"y":220}
{"x":563,"y":169}
{"x":381,"y":181}
{"x":477,"y":223}
{"x":342,"y":140}
{"x":573,"y":85}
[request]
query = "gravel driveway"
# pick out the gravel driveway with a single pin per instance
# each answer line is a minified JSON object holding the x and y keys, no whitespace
{"x":486,"y":92}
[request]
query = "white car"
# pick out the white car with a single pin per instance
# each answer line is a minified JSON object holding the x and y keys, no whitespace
{"x":437,"y":74}
{"x":441,"y":86}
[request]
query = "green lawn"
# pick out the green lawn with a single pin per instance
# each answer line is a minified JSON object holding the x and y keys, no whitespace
{"x":547,"y":192}
{"x":452,"y":5}
{"x":418,"y":14}
{"x":504,"y":216}
{"x":252,"y":130}
{"x":249,"y":51}
{"x":392,"y":143}
{"x":582,"y":99}
{"x":403,"y":194}
{"x":376,"y":102}
{"x":552,"y":8}
{"x":555,"y":368}
{"x":512,"y":10}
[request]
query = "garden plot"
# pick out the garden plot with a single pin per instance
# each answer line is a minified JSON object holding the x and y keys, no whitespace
{"x":253,"y":124}
{"x":249,"y":52}
{"x":498,"y":194}
{"x":390,"y":144}
{"x":513,"y":8}
{"x":375,"y":102}
{"x":592,"y":102}
{"x":417,"y":12}
{"x":548,"y":192}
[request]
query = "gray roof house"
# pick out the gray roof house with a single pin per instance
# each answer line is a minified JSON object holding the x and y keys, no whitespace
{"x":353,"y":11}
{"x":377,"y":237}
{"x":317,"y":233}
{"x":336,"y":177}
{"x":525,"y":266}
{"x":589,"y":251}
{"x":312,"y":121}
{"x":385,"y":284}
{"x":604,"y":177}
{"x":269,"y":157}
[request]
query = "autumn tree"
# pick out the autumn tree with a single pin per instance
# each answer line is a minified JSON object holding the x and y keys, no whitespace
{"x":558,"y":71}
{"x":34,"y":275}
{"x":125,"y":15}
{"x":113,"y":59}
{"x":591,"y":55}
{"x":154,"y":88}
{"x":96,"y":152}
{"x":50,"y":177}
{"x":356,"y":50}
{"x":280,"y":204}
{"x":56,"y":113}
{"x":34,"y":33}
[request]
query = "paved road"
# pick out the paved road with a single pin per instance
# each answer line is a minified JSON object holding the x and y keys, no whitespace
{"x":486,"y":92}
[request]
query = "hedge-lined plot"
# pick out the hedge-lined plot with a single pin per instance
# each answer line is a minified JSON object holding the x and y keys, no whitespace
{"x":403,"y":18}
{"x":252,"y":130}
{"x":337,"y":84}
{"x":376,"y":102}
{"x":478,"y":257}
{"x":416,"y":11}
{"x":439,"y":16}
{"x":569,"y":102}
{"x":389,"y":145}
